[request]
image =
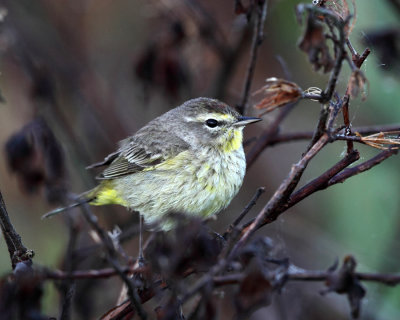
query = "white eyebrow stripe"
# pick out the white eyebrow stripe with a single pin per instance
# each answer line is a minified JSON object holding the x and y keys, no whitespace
{"x":216,"y":116}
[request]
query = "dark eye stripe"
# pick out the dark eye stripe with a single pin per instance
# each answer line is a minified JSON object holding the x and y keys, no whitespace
{"x":212,"y":123}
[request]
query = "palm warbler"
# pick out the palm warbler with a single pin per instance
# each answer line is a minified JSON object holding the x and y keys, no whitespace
{"x":189,"y":160}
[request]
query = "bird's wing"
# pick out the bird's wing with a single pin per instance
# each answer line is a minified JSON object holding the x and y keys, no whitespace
{"x":107,"y":160}
{"x":134,"y":156}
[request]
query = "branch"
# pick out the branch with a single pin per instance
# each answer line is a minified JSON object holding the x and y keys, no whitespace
{"x":310,"y":275}
{"x":89,"y":274}
{"x":111,"y":257}
{"x":261,"y":14}
{"x":280,"y":196}
{"x":306,"y":135}
{"x":245,"y":211}
{"x":336,"y":174}
{"x":322,"y":182}
{"x":17,"y":251}
{"x":339,"y":178}
{"x":358,"y":61}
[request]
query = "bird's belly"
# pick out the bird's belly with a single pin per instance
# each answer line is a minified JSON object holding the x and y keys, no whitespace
{"x":199,"y":188}
{"x":216,"y":183}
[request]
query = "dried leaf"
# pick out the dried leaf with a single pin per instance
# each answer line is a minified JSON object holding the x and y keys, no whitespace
{"x":36,"y":157}
{"x":357,"y":83}
{"x":190,"y":246}
{"x":171,"y":311}
{"x":345,"y":281}
{"x":342,"y":10}
{"x":340,"y":7}
{"x":255,"y":291}
{"x":382,"y":140}
{"x":124,"y":312}
{"x":161,"y":65}
{"x":314,"y":44}
{"x":21,"y":294}
{"x":278,"y":92}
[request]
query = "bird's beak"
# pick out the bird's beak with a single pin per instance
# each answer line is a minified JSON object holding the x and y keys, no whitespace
{"x":243,"y":121}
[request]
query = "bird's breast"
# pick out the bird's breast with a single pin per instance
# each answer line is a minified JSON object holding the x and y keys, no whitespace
{"x":219,"y":178}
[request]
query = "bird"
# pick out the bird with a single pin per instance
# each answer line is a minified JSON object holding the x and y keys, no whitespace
{"x":190,"y":160}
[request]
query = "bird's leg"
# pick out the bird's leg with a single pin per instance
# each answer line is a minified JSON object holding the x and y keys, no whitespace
{"x":219,"y":237}
{"x":141,"y":256}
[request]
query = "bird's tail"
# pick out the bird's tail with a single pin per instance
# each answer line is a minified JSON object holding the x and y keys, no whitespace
{"x":77,"y":200}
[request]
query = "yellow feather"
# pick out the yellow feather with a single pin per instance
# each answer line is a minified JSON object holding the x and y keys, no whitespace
{"x":234,"y":142}
{"x":106,"y":194}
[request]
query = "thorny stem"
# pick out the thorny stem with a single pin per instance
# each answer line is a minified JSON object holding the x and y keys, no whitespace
{"x":261,"y":14}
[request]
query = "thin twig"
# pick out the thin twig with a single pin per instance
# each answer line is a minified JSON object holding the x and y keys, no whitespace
{"x":311,"y":275}
{"x":280,"y":196}
{"x":17,"y":251}
{"x":245,"y":211}
{"x":321,"y":126}
{"x":358,"y":61}
{"x":321,"y":182}
{"x":67,"y":287}
{"x":261,"y":14}
{"x":89,"y":274}
{"x":111,"y":256}
{"x":339,"y":45}
{"x":305,"y":135}
{"x":345,"y":174}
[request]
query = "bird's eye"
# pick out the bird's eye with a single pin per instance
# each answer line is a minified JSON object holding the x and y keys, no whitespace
{"x":212,"y":123}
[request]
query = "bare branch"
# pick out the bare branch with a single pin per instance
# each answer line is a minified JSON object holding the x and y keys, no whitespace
{"x":339,"y":178}
{"x":280,"y":196}
{"x":261,"y":14}
{"x":246,"y":210}
{"x":111,"y":256}
{"x":18,"y":252}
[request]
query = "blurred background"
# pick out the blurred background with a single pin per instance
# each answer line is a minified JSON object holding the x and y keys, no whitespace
{"x":82,"y":75}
